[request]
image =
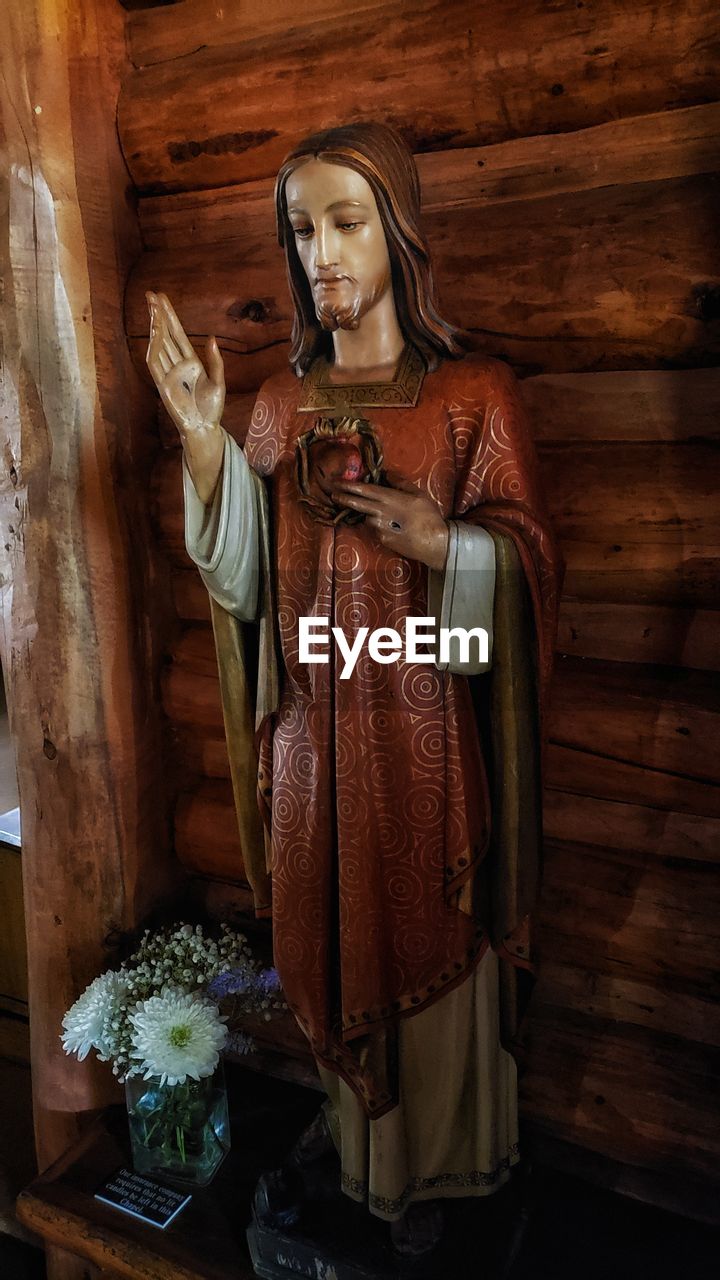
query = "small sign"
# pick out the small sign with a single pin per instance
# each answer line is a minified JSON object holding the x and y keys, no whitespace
{"x":142,"y":1198}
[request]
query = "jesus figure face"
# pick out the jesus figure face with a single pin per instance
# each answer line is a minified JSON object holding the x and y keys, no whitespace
{"x":340,"y":241}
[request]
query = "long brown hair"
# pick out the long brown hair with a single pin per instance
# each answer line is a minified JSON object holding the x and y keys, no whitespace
{"x":378,"y":153}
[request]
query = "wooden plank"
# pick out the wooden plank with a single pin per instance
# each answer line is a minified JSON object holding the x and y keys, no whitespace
{"x":634,"y":915}
{"x":203,"y":751}
{"x":632,"y":493}
{"x":646,"y":148}
{"x":659,"y":718}
{"x":656,"y":575}
{"x":588,"y":771}
{"x":675,"y":1009}
{"x":190,"y":595}
{"x":640,"y":633}
{"x":608,"y":824}
{"x":154,"y":36}
{"x":633,"y":405}
{"x":632,"y":828}
{"x":624,"y":1092}
{"x":685,"y":575}
{"x":583,"y":773}
{"x":431,"y":69}
{"x":15,"y":1038}
{"x":191,"y":687}
{"x":599,"y":616}
{"x":601,"y":307}
{"x":692,"y":1198}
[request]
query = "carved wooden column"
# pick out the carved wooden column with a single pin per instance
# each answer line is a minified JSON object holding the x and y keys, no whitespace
{"x":83,"y":598}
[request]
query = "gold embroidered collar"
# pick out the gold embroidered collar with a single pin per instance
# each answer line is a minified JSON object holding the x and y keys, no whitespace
{"x":318,"y":394}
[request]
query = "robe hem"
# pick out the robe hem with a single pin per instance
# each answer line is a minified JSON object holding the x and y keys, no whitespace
{"x":442,"y":1186}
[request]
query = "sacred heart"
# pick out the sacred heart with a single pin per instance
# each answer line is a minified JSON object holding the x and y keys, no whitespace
{"x":334,"y":451}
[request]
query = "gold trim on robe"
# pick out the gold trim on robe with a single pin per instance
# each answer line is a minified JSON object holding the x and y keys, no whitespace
{"x":318,"y":395}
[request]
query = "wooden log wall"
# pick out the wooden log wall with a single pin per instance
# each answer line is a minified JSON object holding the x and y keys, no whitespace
{"x":569,"y":156}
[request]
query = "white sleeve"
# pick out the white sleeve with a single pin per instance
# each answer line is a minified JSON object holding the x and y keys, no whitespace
{"x":223,"y":536}
{"x":462,"y":595}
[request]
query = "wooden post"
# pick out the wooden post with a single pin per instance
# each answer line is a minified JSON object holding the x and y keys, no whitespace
{"x":83,"y":599}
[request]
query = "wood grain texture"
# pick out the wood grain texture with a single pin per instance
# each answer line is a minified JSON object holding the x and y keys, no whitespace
{"x":206,"y":834}
{"x":657,"y":718}
{"x":190,"y":121}
{"x":654,"y":573}
{"x":641,"y":633}
{"x":613,"y":278}
{"x":646,"y":148}
{"x":623,"y":1091}
{"x":82,"y":621}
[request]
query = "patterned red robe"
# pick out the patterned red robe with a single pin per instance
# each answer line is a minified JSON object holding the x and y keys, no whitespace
{"x":375,"y":786}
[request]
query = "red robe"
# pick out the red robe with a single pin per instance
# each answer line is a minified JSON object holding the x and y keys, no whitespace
{"x":376,"y":786}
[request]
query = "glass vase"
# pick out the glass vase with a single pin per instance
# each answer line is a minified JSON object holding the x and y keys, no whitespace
{"x":179,"y":1133}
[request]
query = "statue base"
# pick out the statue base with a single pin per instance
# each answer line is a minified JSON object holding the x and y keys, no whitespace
{"x":336,"y":1238}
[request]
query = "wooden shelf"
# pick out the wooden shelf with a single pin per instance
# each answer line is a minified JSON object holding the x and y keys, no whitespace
{"x":207,"y":1240}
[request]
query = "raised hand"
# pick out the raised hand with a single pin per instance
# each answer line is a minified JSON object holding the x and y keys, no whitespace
{"x":403,"y":519}
{"x":193,"y":397}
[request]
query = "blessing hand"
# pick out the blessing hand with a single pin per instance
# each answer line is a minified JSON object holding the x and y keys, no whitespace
{"x":402,"y":519}
{"x":193,"y":397}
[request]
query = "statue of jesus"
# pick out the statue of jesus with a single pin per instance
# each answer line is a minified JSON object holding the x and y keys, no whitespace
{"x":386,"y":476}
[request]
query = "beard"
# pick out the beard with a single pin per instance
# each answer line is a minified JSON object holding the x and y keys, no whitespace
{"x":347,"y":308}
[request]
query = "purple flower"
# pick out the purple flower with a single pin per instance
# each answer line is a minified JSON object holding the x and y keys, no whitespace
{"x":243,"y":982}
{"x":269,"y":982}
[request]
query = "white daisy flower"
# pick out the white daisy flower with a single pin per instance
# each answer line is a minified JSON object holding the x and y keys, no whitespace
{"x":176,"y":1035}
{"x":88,"y":1024}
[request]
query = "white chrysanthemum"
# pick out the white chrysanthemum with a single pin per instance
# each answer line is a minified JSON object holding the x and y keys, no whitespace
{"x":176,"y":1035}
{"x":88,"y":1024}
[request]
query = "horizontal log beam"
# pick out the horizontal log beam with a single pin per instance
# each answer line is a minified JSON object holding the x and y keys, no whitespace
{"x":660,"y":718}
{"x":593,"y":773}
{"x":633,"y":828}
{"x":674,"y":1009}
{"x":206,"y":835}
{"x":626,"y":1092}
{"x":554,"y":285}
{"x":154,"y":36}
{"x":646,"y":148}
{"x":685,"y":575}
{"x":629,"y":915}
{"x":424,"y":66}
{"x":641,"y":633}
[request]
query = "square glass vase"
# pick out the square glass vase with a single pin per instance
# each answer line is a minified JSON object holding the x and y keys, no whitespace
{"x":179,"y":1133}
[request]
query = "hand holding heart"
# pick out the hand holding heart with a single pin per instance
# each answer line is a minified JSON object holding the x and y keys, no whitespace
{"x":403,"y":519}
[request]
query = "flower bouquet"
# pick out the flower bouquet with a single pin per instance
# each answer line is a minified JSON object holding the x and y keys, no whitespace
{"x":162,"y":1019}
